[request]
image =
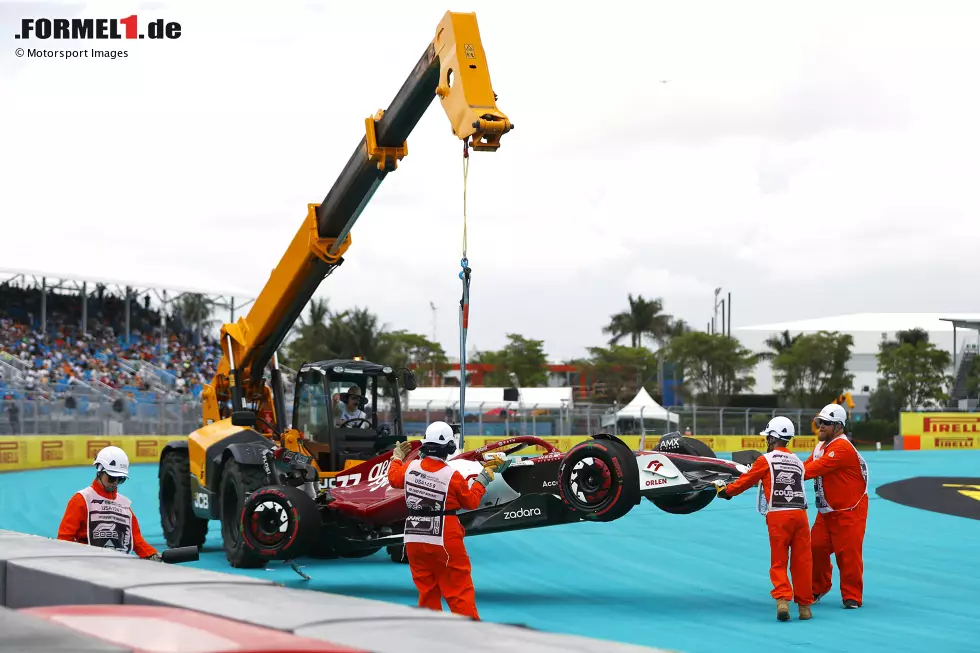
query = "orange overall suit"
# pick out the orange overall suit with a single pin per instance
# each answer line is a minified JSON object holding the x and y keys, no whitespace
{"x":434,"y":544}
{"x":840,"y":476}
{"x":782,"y":500}
{"x":84,"y":521}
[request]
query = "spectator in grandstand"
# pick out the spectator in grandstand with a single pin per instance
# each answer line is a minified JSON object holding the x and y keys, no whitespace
{"x":840,"y":476}
{"x":98,"y":515}
{"x":782,"y":500}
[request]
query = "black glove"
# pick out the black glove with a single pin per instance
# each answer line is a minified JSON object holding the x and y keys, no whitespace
{"x":722,"y":490}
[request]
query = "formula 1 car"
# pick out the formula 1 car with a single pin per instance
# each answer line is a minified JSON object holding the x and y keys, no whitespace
{"x":600,"y":480}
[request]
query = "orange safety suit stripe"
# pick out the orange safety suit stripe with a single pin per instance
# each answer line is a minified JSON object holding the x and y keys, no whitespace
{"x":443,"y":572}
{"x":74,"y":523}
{"x":789,"y":538}
{"x":840,"y":532}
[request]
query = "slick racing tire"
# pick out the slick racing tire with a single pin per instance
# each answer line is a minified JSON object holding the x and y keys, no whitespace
{"x":599,"y":480}
{"x":280,"y":522}
{"x":691,"y":502}
{"x":181,"y":527}
{"x":688,"y":447}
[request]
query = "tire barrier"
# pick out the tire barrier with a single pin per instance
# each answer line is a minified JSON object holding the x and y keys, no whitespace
{"x":37,"y":572}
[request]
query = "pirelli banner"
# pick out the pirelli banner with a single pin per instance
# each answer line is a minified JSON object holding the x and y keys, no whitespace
{"x":939,"y":431}
{"x":42,"y":452}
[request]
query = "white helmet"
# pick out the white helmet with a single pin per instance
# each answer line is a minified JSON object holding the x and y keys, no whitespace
{"x":440,"y":434}
{"x":833,"y":413}
{"x":113,"y":461}
{"x":780,"y":427}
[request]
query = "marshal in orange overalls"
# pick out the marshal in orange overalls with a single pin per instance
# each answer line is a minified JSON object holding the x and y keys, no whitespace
{"x":840,"y":476}
{"x":434,"y":539}
{"x":782,"y":500}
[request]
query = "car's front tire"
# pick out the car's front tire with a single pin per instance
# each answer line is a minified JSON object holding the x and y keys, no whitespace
{"x":599,"y":479}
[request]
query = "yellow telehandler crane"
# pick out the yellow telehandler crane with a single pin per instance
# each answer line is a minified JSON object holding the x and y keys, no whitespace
{"x":245,"y":426}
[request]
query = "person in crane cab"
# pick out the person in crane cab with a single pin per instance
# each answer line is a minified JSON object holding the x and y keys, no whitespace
{"x":98,"y":515}
{"x":433,"y":536}
{"x":840,"y":479}
{"x":782,"y":500}
{"x":347,"y":406}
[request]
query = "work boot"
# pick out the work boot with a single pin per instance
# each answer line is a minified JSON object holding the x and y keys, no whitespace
{"x":851,"y":604}
{"x":816,"y":598}
{"x":805,"y":612}
{"x":782,"y":609}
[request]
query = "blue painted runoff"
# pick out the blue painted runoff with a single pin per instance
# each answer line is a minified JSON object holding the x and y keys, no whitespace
{"x":691,"y":583}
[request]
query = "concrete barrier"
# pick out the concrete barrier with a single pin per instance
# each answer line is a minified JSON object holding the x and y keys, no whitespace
{"x":37,"y":571}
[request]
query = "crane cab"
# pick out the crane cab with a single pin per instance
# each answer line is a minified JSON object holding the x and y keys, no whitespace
{"x":348,"y":411}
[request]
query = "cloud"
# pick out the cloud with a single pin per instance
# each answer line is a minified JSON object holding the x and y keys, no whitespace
{"x":817,"y":155}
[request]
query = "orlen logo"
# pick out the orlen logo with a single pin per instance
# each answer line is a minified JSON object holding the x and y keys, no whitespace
{"x":656,"y":481}
{"x":950,"y":425}
{"x":9,"y":453}
{"x":52,"y":450}
{"x":146,"y":449}
{"x":523,"y":512}
{"x":77,"y":29}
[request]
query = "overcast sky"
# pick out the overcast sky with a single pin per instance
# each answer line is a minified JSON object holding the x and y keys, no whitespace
{"x":810,"y":158}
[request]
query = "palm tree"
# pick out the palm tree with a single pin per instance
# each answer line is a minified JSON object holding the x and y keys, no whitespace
{"x":644,"y":318}
{"x":195,"y":309}
{"x":777,"y":344}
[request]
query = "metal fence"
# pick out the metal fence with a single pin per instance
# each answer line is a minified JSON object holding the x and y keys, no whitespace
{"x":54,"y":414}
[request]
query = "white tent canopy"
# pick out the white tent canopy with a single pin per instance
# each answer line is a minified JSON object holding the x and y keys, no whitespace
{"x":641,"y":405}
{"x":483,"y":399}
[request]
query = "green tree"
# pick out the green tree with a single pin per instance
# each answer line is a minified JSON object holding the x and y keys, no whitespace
{"x":884,"y":404}
{"x":194,"y":311}
{"x":522,"y":356}
{"x":645,"y":318}
{"x":973,"y":379}
{"x":777,"y":344}
{"x":614,"y":370}
{"x":915,"y":370}
{"x":406,"y":349}
{"x":813,"y":367}
{"x":715,"y":366}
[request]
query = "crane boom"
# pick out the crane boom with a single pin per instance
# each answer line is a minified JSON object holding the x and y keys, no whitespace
{"x":453,"y":68}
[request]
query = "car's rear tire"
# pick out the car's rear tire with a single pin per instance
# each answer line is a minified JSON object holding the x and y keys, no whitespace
{"x":688,"y":447}
{"x":280,"y":522}
{"x":181,"y":527}
{"x":599,"y":479}
{"x":236,"y":482}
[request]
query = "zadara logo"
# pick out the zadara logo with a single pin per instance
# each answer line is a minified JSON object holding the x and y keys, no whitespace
{"x":77,"y":29}
{"x":524,"y":512}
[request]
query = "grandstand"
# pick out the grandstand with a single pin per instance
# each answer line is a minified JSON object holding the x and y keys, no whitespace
{"x":77,"y":352}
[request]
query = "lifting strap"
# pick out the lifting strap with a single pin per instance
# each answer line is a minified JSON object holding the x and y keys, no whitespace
{"x":464,"y":305}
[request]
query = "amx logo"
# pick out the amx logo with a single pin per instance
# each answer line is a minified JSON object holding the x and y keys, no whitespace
{"x":96,"y":28}
{"x":524,"y":512}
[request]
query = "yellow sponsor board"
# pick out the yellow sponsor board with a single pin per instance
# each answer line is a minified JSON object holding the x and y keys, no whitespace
{"x":43,"y":451}
{"x":940,"y":430}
